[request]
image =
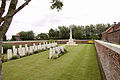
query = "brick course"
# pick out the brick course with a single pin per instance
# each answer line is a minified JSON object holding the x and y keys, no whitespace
{"x":36,"y":42}
{"x":110,"y":61}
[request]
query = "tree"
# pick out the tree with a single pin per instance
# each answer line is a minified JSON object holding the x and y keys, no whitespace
{"x":29,"y":35}
{"x":43,"y":36}
{"x":6,"y":20}
{"x":52,"y":33}
{"x":63,"y":32}
{"x":77,"y":33}
{"x":100,"y":28}
{"x":4,"y":38}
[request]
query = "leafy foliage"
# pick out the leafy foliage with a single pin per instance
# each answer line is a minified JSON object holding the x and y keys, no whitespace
{"x":80,"y":32}
{"x":29,"y":35}
{"x":15,"y":57}
{"x":6,"y":47}
{"x":43,"y":36}
{"x":52,"y":33}
{"x":56,"y":4}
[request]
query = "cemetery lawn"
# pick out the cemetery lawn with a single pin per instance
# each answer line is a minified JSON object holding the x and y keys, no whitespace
{"x":80,"y":63}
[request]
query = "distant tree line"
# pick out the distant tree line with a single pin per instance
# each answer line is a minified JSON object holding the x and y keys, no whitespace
{"x":79,"y":32}
{"x":62,"y":32}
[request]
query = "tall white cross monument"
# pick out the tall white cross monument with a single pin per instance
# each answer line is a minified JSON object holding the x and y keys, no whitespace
{"x":71,"y":41}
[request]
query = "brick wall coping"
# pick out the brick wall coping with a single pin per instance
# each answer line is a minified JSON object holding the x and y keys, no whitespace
{"x":22,"y":41}
{"x":111,"y":46}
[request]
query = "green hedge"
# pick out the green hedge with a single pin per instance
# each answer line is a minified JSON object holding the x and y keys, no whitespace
{"x":6,"y":47}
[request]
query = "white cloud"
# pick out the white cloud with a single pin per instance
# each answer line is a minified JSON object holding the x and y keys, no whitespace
{"x":38,"y":17}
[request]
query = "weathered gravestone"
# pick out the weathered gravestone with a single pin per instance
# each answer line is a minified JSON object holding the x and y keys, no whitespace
{"x":9,"y":54}
{"x":14,"y":50}
{"x":20,"y":46}
{"x":53,"y":50}
{"x":35,"y":48}
{"x":21,"y":51}
{"x":26,"y":48}
{"x":2,"y":50}
{"x":50,"y":53}
{"x":31,"y":49}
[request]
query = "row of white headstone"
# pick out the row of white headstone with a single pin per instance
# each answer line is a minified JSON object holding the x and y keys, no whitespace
{"x":56,"y":50}
{"x":21,"y":51}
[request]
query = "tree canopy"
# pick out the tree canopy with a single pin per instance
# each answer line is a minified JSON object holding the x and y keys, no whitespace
{"x":29,"y":35}
{"x":79,"y":32}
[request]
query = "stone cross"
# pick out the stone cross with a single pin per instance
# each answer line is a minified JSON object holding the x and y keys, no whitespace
{"x":70,"y":32}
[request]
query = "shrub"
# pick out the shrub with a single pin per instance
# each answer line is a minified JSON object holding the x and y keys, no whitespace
{"x":36,"y":52}
{"x":15,"y":57}
{"x":59,"y":55}
{"x":90,"y":42}
{"x":55,"y":56}
{"x":56,"y":41}
{"x":27,"y":54}
{"x":6,"y":47}
{"x":41,"y":42}
{"x":4,"y":58}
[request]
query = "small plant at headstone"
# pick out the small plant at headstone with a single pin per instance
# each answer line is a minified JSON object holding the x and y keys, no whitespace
{"x":41,"y":43}
{"x":27,"y":54}
{"x":4,"y":59}
{"x":35,"y":52}
{"x":55,"y":56}
{"x":6,"y":47}
{"x":56,"y":41}
{"x":15,"y":57}
{"x":59,"y":55}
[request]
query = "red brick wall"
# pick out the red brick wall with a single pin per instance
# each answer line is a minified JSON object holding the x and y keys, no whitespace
{"x":104,"y":36}
{"x":113,"y":37}
{"x":22,"y":43}
{"x":110,"y":61}
{"x":31,"y":42}
{"x":77,"y":41}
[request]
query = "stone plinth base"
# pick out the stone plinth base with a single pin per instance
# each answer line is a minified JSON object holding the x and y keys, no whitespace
{"x":71,"y":43}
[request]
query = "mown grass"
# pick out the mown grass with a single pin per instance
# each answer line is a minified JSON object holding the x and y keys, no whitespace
{"x":79,"y":63}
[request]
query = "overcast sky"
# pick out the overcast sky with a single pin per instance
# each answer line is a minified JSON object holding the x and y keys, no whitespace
{"x":38,"y":16}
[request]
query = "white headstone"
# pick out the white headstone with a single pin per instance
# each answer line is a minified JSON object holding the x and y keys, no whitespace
{"x":53,"y":50}
{"x":2,"y":50}
{"x":34,"y":44}
{"x":26,"y":50}
{"x":43,"y":47}
{"x":20,"y":46}
{"x":15,"y":52}
{"x":62,"y":48}
{"x":35,"y":48}
{"x":20,"y":51}
{"x":9,"y":54}
{"x":26,"y":45}
{"x":50,"y":53}
{"x":31,"y":49}
{"x":39,"y":43}
{"x":40,"y":47}
{"x":13,"y":47}
{"x":23,"y":51}
{"x":58,"y":50}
